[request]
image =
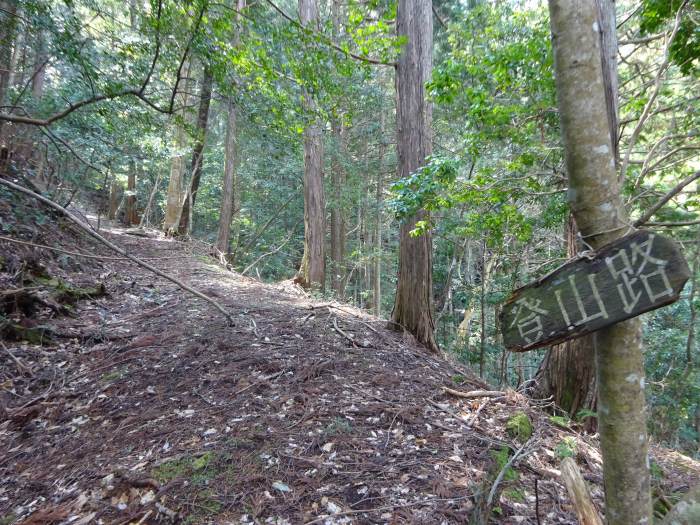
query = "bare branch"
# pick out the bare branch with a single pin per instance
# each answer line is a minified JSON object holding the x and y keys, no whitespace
{"x":330,"y":42}
{"x":676,"y":190}
{"x":657,"y":87}
{"x":114,"y":247}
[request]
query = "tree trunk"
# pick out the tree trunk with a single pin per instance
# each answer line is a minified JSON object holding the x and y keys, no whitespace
{"x":114,"y":198}
{"x":8,"y":25}
{"x":414,"y":289}
{"x":229,"y":192}
{"x":39,"y":66}
{"x":338,"y":184}
{"x":312,"y":271}
{"x":197,"y":151}
{"x":174,"y":203}
{"x":378,"y":203}
{"x":594,"y":195}
{"x":131,"y":217}
{"x":230,"y":197}
{"x":337,"y":215}
{"x":567,"y":372}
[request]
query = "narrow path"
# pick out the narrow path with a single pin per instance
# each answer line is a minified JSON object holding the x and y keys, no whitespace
{"x":152,"y":408}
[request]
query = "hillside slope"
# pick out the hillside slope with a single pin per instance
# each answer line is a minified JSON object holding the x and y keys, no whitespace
{"x":145,"y":406}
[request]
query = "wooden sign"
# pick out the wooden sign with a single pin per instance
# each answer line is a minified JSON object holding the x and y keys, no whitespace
{"x":624,"y":279}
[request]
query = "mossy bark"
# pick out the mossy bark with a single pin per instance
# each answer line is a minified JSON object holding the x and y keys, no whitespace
{"x":594,"y":196}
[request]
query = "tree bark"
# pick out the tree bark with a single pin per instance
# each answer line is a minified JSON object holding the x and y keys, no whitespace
{"x":8,"y":26}
{"x":39,"y":66}
{"x":337,"y":184}
{"x":198,"y":150}
{"x":414,"y":289}
{"x":594,"y":196}
{"x":378,"y":203}
{"x":131,"y":216}
{"x":7,"y":37}
{"x":229,"y":191}
{"x":312,"y":271}
{"x":174,"y":203}
{"x":337,"y":215}
{"x":567,"y":372}
{"x":230,"y":197}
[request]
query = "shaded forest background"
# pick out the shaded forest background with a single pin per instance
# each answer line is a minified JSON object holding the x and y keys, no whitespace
{"x":176,"y":114}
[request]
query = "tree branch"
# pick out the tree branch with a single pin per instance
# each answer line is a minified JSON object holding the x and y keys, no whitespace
{"x":114,"y":247}
{"x":656,"y":207}
{"x":657,"y":87}
{"x":330,"y":42}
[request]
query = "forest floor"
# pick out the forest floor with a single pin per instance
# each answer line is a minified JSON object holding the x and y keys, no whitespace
{"x":138,"y":403}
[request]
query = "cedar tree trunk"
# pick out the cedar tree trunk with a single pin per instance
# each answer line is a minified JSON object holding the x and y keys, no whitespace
{"x":312,"y":271}
{"x":413,"y":302}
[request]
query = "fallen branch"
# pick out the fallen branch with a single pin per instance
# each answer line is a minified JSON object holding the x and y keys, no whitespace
{"x":578,"y":492}
{"x":116,"y":248}
{"x":21,"y":367}
{"x":83,"y":255}
{"x":499,"y":478}
{"x":474,"y":393}
{"x":363,"y":344}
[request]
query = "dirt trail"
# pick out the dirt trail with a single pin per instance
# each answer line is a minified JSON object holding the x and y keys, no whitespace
{"x":148,"y":408}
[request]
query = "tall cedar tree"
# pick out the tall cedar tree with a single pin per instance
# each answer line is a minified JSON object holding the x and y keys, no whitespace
{"x":312,"y":271}
{"x":413,"y":303}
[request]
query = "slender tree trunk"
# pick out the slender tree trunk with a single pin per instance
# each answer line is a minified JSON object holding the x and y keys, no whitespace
{"x":198,"y":150}
{"x":338,"y":184}
{"x":414,"y":289}
{"x":174,"y":202}
{"x":378,"y":203}
{"x":8,"y":26}
{"x":690,"y":342}
{"x":230,"y":197}
{"x":312,"y":271}
{"x":229,"y":191}
{"x":567,"y":373}
{"x":131,"y":218}
{"x":39,"y":66}
{"x":594,"y":195}
{"x":114,"y":197}
{"x":337,"y":214}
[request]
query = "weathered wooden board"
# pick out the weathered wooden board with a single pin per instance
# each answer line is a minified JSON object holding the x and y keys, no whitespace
{"x":628,"y":277}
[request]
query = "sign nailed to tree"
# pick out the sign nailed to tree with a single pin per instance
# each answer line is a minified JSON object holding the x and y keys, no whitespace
{"x":624,"y":279}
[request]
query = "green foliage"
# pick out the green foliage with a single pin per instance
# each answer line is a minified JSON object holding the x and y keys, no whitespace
{"x":560,"y":421}
{"x":566,"y":448}
{"x":519,"y":427}
{"x":196,"y":469}
{"x":501,"y":457}
{"x":685,"y":48}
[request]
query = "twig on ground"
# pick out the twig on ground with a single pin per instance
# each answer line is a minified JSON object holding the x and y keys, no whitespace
{"x":20,"y":366}
{"x":116,"y":248}
{"x":474,"y":393}
{"x":363,"y":344}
